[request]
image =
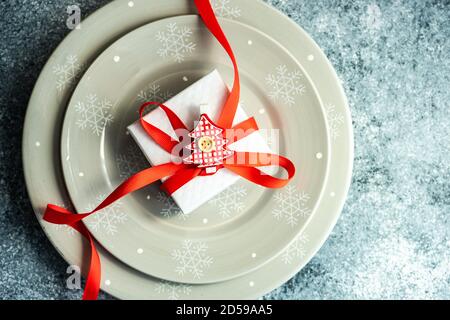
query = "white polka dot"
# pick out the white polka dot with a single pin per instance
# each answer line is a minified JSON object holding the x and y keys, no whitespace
{"x":68,"y":158}
{"x":251,"y":284}
{"x":38,"y":144}
{"x":148,"y":197}
{"x":116,"y":58}
{"x":250,"y":42}
{"x":253,"y":255}
{"x":319,"y":155}
{"x":81,"y":174}
{"x":140,"y":251}
{"x":332,"y":194}
{"x":262,"y":111}
{"x":311,"y":57}
{"x":131,"y":4}
{"x":185,"y":79}
{"x":108,"y":282}
{"x":205,"y":221}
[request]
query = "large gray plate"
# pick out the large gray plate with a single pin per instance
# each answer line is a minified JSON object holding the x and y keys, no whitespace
{"x":42,"y":135}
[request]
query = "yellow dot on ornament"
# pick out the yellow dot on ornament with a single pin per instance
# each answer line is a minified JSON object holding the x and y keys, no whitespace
{"x":206,"y":144}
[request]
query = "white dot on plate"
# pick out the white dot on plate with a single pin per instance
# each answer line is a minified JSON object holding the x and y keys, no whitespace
{"x":108,"y":282}
{"x":148,"y":197}
{"x":262,"y":111}
{"x":253,"y":255}
{"x":250,"y":42}
{"x":319,"y":155}
{"x":332,"y":194}
{"x":140,"y":251}
{"x":38,"y":144}
{"x":310,"y":57}
{"x":131,"y":4}
{"x":251,"y":284}
{"x":185,"y":79}
{"x":81,"y":174}
{"x":116,"y":58}
{"x":205,"y":221}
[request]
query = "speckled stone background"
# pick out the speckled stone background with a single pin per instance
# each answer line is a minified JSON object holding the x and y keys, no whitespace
{"x":393,"y":239}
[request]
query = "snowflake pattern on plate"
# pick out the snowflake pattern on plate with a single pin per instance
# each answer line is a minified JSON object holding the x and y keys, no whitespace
{"x":230,"y":201}
{"x":286,"y":85}
{"x":108,"y":219}
{"x":175,"y":42}
{"x":225,"y":9}
{"x":335,"y":120}
{"x":131,"y":162}
{"x":94,"y":114}
{"x":192,"y":258}
{"x":291,"y":205}
{"x":153,"y":92}
{"x":295,"y":250}
{"x":67,"y":73}
{"x":170,"y":209}
{"x":172,"y":290}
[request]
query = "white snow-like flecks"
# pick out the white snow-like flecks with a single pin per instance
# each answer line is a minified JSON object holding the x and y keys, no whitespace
{"x":108,"y":219}
{"x":154,"y":93}
{"x":225,"y":9}
{"x":67,"y":73}
{"x":285,"y":85}
{"x":175,"y":42}
{"x":170,"y":209}
{"x":230,"y":201}
{"x":172,"y":290}
{"x":192,"y":259}
{"x":291,"y":205}
{"x":335,"y":120}
{"x":131,"y":162}
{"x":373,"y":17}
{"x":94,"y":114}
{"x":296,"y":250}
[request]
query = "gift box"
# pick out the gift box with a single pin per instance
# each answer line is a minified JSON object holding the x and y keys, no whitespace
{"x":189,"y":105}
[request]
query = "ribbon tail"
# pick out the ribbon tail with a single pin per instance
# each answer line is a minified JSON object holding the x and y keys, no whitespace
{"x":209,"y":18}
{"x":92,"y":288}
{"x":59,"y":215}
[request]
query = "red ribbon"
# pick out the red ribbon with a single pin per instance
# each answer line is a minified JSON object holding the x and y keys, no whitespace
{"x":244,"y":164}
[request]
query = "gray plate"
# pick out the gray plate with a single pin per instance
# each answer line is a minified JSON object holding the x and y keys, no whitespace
{"x":228,"y":236}
{"x":41,"y":141}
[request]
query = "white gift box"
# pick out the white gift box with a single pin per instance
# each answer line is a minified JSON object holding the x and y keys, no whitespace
{"x":211,"y":90}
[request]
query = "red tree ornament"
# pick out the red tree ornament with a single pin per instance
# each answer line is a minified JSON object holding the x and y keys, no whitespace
{"x":208,"y":146}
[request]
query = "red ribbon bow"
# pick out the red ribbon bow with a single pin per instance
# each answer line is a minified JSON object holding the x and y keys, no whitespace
{"x":245,"y":164}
